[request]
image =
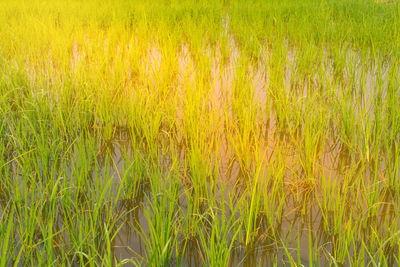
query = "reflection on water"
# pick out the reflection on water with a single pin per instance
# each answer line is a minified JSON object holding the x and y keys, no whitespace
{"x":300,"y":227}
{"x":244,"y":131}
{"x":314,"y":171}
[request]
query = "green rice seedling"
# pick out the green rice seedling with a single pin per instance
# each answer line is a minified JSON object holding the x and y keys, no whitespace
{"x":312,"y":143}
{"x":97,"y":220}
{"x":7,"y":247}
{"x":133,"y":175}
{"x":274,"y":196}
{"x":217,"y":242}
{"x":161,"y":218}
{"x":255,"y":201}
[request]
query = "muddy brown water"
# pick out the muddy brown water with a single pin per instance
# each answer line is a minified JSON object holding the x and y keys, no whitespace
{"x":297,"y":228}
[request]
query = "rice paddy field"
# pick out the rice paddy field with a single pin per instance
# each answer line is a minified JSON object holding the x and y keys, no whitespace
{"x":199,"y":133}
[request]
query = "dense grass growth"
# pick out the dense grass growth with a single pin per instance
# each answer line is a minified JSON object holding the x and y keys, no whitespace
{"x":217,"y":133}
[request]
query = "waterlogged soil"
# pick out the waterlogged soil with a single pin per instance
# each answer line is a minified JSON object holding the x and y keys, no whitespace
{"x":301,"y":226}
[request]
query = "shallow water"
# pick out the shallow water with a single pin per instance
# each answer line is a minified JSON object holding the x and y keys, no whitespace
{"x":302,"y":221}
{"x":300,"y":225}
